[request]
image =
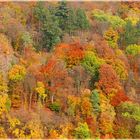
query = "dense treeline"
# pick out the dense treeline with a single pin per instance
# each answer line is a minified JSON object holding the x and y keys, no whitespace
{"x":69,"y":70}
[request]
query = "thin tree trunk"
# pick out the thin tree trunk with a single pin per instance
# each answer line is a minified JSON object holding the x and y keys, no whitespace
{"x":30,"y":100}
{"x":52,"y":98}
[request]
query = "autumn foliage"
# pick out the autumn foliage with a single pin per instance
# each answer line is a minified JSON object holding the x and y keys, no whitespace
{"x":72,"y":53}
{"x":118,"y":98}
{"x":69,"y":70}
{"x":108,"y":79}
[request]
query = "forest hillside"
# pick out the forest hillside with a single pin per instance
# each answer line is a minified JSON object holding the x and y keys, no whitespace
{"x":70,"y":70}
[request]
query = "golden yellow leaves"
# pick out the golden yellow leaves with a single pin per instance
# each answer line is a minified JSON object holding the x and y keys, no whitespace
{"x":120,"y":69}
{"x":17,"y":73}
{"x":107,"y":115}
{"x":3,"y":85}
{"x":13,"y":122}
{"x":35,"y":128}
{"x":32,"y":129}
{"x":2,"y":133}
{"x":5,"y":46}
{"x":53,"y":134}
{"x":111,"y":36}
{"x":73,"y":103}
{"x":3,"y":101}
{"x":40,"y":89}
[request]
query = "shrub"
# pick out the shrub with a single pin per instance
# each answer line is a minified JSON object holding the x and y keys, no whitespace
{"x":55,"y":107}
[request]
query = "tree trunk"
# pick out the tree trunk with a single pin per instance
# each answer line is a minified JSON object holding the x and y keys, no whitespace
{"x":52,"y":98}
{"x":30,"y":100}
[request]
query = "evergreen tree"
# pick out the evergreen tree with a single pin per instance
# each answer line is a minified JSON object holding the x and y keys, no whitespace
{"x":49,"y":26}
{"x":62,"y":14}
{"x":51,"y":31}
{"x":71,"y":21}
{"x":82,"y":21}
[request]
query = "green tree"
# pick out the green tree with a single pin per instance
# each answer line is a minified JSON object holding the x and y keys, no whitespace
{"x":49,"y":26}
{"x":131,"y":34}
{"x":82,"y":131}
{"x":26,"y":38}
{"x":62,"y":14}
{"x":55,"y":106}
{"x":71,"y":21}
{"x":137,"y":131}
{"x":133,"y":50}
{"x":92,"y":63}
{"x":95,"y":100}
{"x":113,"y":20}
{"x":51,"y":33}
{"x":131,"y":112}
{"x":82,"y":20}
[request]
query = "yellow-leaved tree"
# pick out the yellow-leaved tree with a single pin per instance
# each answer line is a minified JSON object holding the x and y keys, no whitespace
{"x":111,"y":36}
{"x":17,"y":73}
{"x":16,"y":76}
{"x":40,"y":89}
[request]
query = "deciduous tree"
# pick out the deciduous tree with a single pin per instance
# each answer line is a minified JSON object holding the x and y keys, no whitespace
{"x":113,"y":20}
{"x":17,"y":73}
{"x":108,"y":79}
{"x":118,"y":98}
{"x":55,"y":73}
{"x":130,"y":35}
{"x":107,"y":115}
{"x":91,"y":62}
{"x":111,"y":36}
{"x":82,"y":131}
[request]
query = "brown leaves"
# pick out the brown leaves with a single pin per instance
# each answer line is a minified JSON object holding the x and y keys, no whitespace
{"x":104,"y":50}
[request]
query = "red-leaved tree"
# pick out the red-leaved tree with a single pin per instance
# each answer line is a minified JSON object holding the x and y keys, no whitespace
{"x":55,"y":75}
{"x":108,"y":79}
{"x":119,"y":97}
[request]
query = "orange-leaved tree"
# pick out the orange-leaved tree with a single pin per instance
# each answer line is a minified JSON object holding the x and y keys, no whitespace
{"x":71,"y":53}
{"x":108,"y":79}
{"x":118,"y":98}
{"x":54,"y":72}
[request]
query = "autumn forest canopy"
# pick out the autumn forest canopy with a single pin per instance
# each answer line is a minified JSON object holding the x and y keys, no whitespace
{"x":70,"y":70}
